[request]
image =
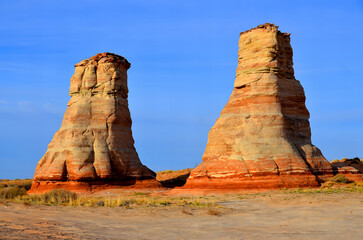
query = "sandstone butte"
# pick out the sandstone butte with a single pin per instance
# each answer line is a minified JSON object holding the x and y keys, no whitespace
{"x":94,"y":148}
{"x":262,"y":139}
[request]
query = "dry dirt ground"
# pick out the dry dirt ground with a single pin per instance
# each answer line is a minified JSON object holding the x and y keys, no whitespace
{"x":262,"y":216}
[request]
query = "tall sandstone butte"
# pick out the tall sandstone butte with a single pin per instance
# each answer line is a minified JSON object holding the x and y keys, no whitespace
{"x":94,"y":148}
{"x":262,"y":138}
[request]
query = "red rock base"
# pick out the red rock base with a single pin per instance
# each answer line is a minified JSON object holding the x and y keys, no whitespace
{"x":88,"y":187}
{"x":354,"y":177}
{"x":205,"y":185}
{"x":262,"y":182}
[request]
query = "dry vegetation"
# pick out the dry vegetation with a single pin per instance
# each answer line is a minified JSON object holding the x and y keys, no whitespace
{"x":132,"y":200}
{"x":10,"y":189}
{"x":15,"y":191}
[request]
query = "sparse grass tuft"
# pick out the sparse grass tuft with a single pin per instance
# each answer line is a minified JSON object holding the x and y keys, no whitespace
{"x":354,"y":187}
{"x":185,"y":211}
{"x":214,"y":212}
{"x":53,"y":197}
{"x":100,"y":204}
{"x":141,"y":194}
{"x":165,"y":203}
{"x":328,"y":184}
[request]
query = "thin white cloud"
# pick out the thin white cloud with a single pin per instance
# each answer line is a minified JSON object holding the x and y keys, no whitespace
{"x":24,"y":103}
{"x":29,"y":106}
{"x":340,"y":116}
{"x":322,"y":70}
{"x":25,"y":106}
{"x":51,"y":108}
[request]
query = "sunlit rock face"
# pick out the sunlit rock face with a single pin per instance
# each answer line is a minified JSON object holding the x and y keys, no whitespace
{"x":94,"y":145}
{"x":262,"y":138}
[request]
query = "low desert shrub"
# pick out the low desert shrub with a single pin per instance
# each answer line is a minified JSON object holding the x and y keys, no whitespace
{"x":27,"y":185}
{"x":53,"y":197}
{"x":12,"y":192}
{"x":59,"y":196}
{"x":126,"y":203}
{"x":339,"y":178}
{"x":24,"y":183}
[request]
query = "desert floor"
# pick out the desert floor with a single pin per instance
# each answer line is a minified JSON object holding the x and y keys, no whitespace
{"x":271,"y":215}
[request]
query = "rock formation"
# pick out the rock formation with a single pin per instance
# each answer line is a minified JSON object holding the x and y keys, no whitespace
{"x":350,"y":168}
{"x":94,"y":148}
{"x":262,"y":138}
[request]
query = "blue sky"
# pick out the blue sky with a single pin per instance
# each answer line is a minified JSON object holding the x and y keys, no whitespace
{"x":183,"y":56}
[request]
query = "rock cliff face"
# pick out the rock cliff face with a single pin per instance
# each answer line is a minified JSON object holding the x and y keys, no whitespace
{"x":262,"y":138}
{"x":94,"y":147}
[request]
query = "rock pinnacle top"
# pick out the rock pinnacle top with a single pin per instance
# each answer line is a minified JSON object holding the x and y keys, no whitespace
{"x":104,"y":58}
{"x":266,"y":27}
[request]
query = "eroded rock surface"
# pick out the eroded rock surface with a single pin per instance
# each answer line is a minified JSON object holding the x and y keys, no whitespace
{"x":94,"y":147}
{"x":262,"y":138}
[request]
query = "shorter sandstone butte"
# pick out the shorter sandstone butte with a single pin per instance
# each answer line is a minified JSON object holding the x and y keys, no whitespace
{"x":94,"y":148}
{"x":350,"y":168}
{"x":262,"y":139}
{"x":171,"y":179}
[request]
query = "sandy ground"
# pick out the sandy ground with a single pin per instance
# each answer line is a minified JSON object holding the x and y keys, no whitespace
{"x":271,"y":216}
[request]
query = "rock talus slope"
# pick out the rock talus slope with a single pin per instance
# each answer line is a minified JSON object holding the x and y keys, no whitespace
{"x":262,"y":138}
{"x":94,"y":148}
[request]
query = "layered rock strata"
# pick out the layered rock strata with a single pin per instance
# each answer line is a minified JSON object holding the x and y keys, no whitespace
{"x":350,"y":168}
{"x":262,"y":138}
{"x":94,"y":148}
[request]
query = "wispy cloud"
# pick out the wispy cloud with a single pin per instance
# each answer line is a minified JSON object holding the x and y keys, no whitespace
{"x":323,"y":70}
{"x":24,"y":103}
{"x":15,"y":67}
{"x":24,"y":106}
{"x":10,"y":69}
{"x":51,"y":108}
{"x":339,"y":116}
